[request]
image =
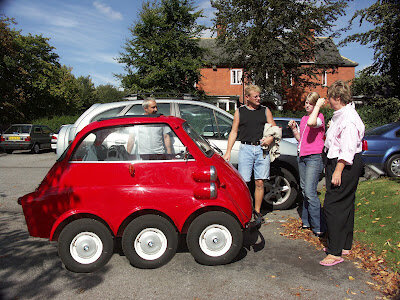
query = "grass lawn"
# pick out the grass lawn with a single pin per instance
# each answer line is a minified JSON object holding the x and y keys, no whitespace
{"x":377,"y":218}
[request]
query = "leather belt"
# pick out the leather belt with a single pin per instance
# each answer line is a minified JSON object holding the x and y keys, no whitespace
{"x":252,"y":143}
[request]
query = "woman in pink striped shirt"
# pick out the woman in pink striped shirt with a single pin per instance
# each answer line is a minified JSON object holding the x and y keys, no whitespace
{"x":311,"y":142}
{"x":343,"y":146}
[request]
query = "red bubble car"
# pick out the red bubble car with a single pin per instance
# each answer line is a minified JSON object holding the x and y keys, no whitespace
{"x":146,"y":180}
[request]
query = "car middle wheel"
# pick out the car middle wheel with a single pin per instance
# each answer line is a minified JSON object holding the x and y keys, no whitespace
{"x":149,"y":241}
{"x":393,"y":166}
{"x":280,"y":189}
{"x":214,"y":238}
{"x":85,"y":245}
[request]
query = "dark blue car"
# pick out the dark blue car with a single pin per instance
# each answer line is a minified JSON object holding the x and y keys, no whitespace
{"x":382,"y":146}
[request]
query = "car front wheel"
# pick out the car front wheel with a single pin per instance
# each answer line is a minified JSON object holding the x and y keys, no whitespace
{"x":281,"y":189}
{"x":149,"y":241}
{"x":85,"y":245}
{"x":36,"y":149}
{"x":214,"y":238}
{"x":393,"y":166}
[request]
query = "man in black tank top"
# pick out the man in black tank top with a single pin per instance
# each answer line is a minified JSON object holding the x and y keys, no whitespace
{"x":249,"y":120}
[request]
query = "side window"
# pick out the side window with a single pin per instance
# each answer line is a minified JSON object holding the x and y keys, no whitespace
{"x":46,"y":130}
{"x":108,"y":113}
{"x":131,"y":143}
{"x":37,"y":129}
{"x":137,"y":109}
{"x":200,"y":118}
{"x":224,"y":125}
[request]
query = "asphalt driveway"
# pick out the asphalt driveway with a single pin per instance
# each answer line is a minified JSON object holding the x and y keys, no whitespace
{"x":270,"y":266}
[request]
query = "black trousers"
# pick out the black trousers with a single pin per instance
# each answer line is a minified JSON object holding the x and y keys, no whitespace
{"x":339,"y":205}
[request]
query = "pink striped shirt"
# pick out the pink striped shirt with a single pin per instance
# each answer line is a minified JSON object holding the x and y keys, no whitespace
{"x":345,"y":134}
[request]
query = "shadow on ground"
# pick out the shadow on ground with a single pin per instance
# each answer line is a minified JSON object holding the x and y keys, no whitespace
{"x":33,"y":265}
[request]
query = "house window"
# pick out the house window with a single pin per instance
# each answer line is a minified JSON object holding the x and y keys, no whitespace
{"x":325,"y":78}
{"x":236,"y":76}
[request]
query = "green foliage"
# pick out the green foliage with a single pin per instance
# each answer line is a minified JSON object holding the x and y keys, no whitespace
{"x":108,"y":93}
{"x":163,"y":52}
{"x":372,"y":85}
{"x":273,"y":36}
{"x":379,"y":112}
{"x":384,"y":39}
{"x":55,"y":122}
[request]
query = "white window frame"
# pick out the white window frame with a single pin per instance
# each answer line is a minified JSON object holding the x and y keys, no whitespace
{"x":236,"y":76}
{"x":325,"y":78}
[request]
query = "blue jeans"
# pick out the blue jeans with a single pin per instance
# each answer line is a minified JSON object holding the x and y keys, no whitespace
{"x":310,"y":168}
{"x":251,"y":157}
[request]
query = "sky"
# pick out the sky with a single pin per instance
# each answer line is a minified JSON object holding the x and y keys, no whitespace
{"x":89,"y":34}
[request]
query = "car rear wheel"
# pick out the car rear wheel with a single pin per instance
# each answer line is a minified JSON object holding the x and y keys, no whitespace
{"x":85,"y":245}
{"x":149,"y":241}
{"x":393,"y":166}
{"x":214,"y":238}
{"x":36,"y":149}
{"x":281,"y":189}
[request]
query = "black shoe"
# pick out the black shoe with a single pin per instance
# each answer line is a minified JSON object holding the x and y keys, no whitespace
{"x":319,"y":234}
{"x":305,"y":227}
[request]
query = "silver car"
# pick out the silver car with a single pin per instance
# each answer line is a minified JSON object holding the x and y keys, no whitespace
{"x":210,"y":121}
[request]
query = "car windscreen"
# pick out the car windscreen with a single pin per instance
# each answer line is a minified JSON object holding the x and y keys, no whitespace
{"x":200,"y":141}
{"x":382,"y":129}
{"x":18,"y":129}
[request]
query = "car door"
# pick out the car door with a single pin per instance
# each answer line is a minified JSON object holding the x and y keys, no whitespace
{"x":102,"y":173}
{"x":46,"y":137}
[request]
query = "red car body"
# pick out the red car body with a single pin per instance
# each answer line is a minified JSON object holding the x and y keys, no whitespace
{"x":116,"y":192}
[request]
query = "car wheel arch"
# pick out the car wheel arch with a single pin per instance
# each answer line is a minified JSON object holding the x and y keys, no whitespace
{"x":60,"y":224}
{"x":140,"y":213}
{"x":387,"y":161}
{"x":205,"y":209}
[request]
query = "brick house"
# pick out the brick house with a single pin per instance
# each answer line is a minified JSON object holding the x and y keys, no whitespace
{"x":224,"y":81}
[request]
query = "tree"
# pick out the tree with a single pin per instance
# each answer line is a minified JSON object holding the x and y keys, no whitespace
{"x":384,"y":38}
{"x":86,"y":91}
{"x":163,"y":53}
{"x":108,"y":93}
{"x":271,"y":38}
{"x":371,"y":86}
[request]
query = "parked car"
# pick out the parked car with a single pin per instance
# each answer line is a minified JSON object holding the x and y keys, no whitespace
{"x":209,"y":121}
{"x":381,"y":147}
{"x":26,"y":137}
{"x":54,"y":138}
{"x":98,"y":192}
{"x":287,"y":133}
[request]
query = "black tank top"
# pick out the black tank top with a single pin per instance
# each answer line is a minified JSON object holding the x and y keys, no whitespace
{"x":251,"y":123}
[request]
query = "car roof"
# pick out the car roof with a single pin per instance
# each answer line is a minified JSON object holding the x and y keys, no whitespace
{"x":127,"y":120}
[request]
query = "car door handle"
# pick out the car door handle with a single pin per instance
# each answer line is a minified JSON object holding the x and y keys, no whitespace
{"x":132,"y":170}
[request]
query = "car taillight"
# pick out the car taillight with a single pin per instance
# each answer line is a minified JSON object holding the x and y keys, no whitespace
{"x":206,"y":191}
{"x":205,"y":174}
{"x":53,"y":137}
{"x":364,"y":145}
{"x":27,"y":139}
{"x":2,"y":139}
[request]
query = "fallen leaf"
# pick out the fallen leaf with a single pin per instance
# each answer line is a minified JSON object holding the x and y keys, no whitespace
{"x":372,"y":193}
{"x":353,"y":293}
{"x":377,"y":219}
{"x":370,"y":283}
{"x":358,"y":204}
{"x":388,"y":217}
{"x":382,"y":225}
{"x":273,"y":276}
{"x":374,"y":221}
{"x":351,"y":278}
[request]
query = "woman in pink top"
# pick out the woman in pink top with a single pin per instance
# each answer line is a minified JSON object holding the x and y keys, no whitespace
{"x":311,"y":143}
{"x":343,"y":146}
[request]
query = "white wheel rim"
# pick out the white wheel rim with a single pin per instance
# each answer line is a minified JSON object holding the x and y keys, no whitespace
{"x":395,"y":167}
{"x":86,"y":248}
{"x":150,"y":243}
{"x":277,"y":190}
{"x":215,"y":240}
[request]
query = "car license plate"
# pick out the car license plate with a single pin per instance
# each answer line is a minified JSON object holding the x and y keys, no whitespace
{"x":14,"y":138}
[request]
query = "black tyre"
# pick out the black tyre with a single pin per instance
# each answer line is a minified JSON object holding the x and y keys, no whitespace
{"x":85,"y":245}
{"x":393,"y":166}
{"x":214,"y":238}
{"x":36,"y":149}
{"x":149,"y":241}
{"x":9,"y":151}
{"x":281,"y":190}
